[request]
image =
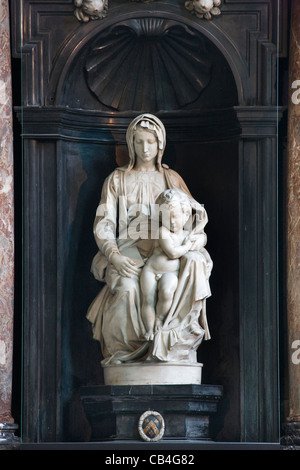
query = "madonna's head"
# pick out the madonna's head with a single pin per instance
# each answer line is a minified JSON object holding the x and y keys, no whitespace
{"x":149,"y":123}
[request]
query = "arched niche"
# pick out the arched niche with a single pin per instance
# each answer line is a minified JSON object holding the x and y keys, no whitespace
{"x":224,"y":146}
{"x":77,"y":43}
{"x":188,"y":83}
{"x":151,"y":64}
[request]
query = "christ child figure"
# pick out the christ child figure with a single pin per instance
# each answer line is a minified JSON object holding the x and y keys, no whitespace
{"x":159,"y":277}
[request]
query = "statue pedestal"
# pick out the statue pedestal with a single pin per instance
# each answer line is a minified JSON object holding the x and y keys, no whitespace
{"x":114,"y":411}
{"x":153,"y":373}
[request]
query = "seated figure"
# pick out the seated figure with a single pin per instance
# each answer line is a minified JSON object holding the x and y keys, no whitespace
{"x":128,"y":199}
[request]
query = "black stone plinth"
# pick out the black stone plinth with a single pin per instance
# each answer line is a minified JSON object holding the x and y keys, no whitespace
{"x":8,"y":440}
{"x":291,"y":434}
{"x":114,"y":411}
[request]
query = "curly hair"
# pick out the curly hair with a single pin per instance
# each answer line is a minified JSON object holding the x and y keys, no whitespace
{"x":170,"y":197}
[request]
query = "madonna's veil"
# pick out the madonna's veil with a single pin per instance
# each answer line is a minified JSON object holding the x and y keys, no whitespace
{"x":151,"y":123}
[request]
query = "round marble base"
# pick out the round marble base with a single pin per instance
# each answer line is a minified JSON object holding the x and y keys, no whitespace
{"x":153,"y":374}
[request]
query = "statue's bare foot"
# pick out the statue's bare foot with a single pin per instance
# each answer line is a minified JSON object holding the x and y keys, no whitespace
{"x":149,"y":335}
{"x":158,"y":324}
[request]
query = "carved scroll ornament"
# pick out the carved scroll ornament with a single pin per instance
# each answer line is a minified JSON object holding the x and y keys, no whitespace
{"x":204,"y":8}
{"x":87,"y":10}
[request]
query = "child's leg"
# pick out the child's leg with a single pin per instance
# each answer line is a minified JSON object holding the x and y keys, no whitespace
{"x":148,"y":285}
{"x":166,"y":289}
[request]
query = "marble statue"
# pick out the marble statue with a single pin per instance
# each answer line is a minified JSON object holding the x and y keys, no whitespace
{"x":204,"y":8}
{"x":159,"y":276}
{"x":152,"y":258}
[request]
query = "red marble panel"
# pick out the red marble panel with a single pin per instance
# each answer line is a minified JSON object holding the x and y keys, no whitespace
{"x":6,"y":219}
{"x":293,"y":214}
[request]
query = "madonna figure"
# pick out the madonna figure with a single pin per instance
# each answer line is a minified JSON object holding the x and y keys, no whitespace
{"x":126,"y":230}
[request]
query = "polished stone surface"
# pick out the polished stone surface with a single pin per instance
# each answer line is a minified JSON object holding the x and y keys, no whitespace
{"x":6,"y":220}
{"x":293,"y":220}
{"x":114,"y":411}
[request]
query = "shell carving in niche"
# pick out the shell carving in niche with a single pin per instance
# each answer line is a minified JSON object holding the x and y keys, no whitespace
{"x":148,"y":64}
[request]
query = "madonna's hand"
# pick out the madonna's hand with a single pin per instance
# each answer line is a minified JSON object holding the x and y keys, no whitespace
{"x":125,"y":266}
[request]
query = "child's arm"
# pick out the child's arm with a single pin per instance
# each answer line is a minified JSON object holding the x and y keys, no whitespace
{"x":167,"y":245}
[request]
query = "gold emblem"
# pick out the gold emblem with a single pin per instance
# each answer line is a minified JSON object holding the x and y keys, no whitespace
{"x":151,"y":426}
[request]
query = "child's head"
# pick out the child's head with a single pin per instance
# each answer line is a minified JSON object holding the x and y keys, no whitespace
{"x":175,"y":209}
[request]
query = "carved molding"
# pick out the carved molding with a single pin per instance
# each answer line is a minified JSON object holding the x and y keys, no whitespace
{"x":69,"y":124}
{"x":248,"y":47}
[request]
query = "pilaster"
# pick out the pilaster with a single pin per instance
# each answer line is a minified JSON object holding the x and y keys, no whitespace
{"x":7,"y":426}
{"x":293,"y":230}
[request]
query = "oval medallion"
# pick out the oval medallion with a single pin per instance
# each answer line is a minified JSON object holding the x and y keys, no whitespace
{"x":151,"y":426}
